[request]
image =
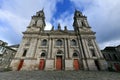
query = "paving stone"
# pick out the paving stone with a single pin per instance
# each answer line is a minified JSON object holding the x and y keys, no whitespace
{"x":59,"y":75}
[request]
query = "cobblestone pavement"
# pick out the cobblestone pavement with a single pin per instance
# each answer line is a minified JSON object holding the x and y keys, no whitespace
{"x":59,"y":75}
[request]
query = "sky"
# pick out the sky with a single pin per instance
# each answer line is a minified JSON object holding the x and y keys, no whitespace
{"x":102,"y":15}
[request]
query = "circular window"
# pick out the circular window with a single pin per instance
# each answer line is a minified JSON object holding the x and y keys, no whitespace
{"x":43,"y":55}
{"x":75,"y":55}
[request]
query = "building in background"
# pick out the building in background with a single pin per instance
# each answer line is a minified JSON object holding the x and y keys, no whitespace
{"x":112,"y":56}
{"x":15,"y":47}
{"x":6,"y":55}
{"x":58,"y":49}
{"x":3,"y":43}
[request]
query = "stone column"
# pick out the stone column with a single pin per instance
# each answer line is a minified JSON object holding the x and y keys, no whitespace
{"x":32,"y":49}
{"x":37,"y":48}
{"x":96,"y":49}
{"x":85,"y":48}
{"x":68,"y":47}
{"x":65,"y":48}
{"x":52,"y":46}
{"x":85,"y":62}
{"x":20,"y":49}
{"x":49,"y":47}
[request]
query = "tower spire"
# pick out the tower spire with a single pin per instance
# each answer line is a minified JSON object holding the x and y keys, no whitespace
{"x":59,"y":27}
{"x":42,"y":9}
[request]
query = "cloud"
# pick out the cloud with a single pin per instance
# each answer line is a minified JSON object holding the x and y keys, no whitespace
{"x":16,"y":15}
{"x":27,"y":8}
{"x":16,"y":22}
{"x":48,"y":26}
{"x":12,"y":27}
{"x":110,"y":43}
{"x":65,"y":19}
{"x":103,"y":16}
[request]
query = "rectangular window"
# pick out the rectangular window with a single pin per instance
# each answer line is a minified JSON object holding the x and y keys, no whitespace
{"x":110,"y":58}
{"x":3,"y":49}
{"x":115,"y":57}
{"x":104,"y":56}
{"x":24,"y":53}
{"x":93,"y":52}
{"x":0,"y":48}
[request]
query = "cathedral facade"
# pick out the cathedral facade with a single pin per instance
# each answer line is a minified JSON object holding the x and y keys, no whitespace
{"x":58,"y":49}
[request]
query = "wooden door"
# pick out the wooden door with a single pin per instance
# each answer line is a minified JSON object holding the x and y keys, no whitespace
{"x":20,"y":64}
{"x":41,"y":64}
{"x":117,"y":67}
{"x":76,"y":64}
{"x":97,"y":64}
{"x":59,"y":63}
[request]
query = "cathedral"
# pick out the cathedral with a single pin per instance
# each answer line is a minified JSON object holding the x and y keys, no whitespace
{"x":58,"y":49}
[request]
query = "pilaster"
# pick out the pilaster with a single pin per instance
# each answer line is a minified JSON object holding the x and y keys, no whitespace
{"x":68,"y":47}
{"x":49,"y":47}
{"x":65,"y":48}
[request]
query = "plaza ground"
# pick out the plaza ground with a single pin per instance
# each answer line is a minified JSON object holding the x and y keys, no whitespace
{"x":59,"y":75}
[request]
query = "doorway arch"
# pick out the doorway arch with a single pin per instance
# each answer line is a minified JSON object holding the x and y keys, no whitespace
{"x":42,"y":60}
{"x":76,"y":64}
{"x":59,"y":60}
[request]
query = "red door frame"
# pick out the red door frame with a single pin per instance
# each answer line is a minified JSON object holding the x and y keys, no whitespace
{"x":41,"y":64}
{"x":117,"y":66}
{"x":20,"y":65}
{"x":76,"y":64}
{"x":59,"y":63}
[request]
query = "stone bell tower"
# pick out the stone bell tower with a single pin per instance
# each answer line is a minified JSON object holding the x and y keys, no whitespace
{"x":28,"y":47}
{"x":37,"y":23}
{"x":91,"y":56}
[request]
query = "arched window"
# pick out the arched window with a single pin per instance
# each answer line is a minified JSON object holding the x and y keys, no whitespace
{"x":59,"y":42}
{"x":44,"y":42}
{"x":43,"y":55}
{"x":73,"y":42}
{"x":75,"y":55}
{"x":59,"y":52}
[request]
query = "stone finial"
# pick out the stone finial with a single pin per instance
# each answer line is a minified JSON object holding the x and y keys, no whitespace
{"x":40,"y":13}
{"x":42,"y":10}
{"x":52,"y":28}
{"x":65,"y":28}
{"x":59,"y":27}
{"x":77,"y":13}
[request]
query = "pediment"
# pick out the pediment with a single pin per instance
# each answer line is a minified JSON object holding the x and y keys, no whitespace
{"x":59,"y":32}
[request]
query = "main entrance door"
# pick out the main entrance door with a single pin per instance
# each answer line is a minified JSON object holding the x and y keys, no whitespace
{"x":117,"y":67}
{"x":76,"y":64}
{"x":41,"y":64}
{"x":97,"y":64}
{"x":20,"y":64}
{"x":59,"y":63}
